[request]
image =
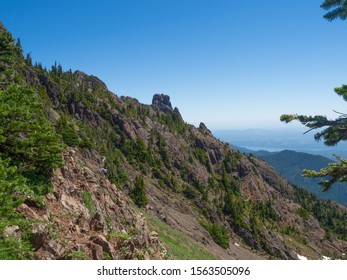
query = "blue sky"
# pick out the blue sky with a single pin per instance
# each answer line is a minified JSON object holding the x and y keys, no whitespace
{"x":231,"y":64}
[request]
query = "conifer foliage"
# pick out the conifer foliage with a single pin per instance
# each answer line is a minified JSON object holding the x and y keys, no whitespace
{"x":334,"y":130}
{"x":138,"y":194}
{"x":10,"y":183}
{"x":26,"y":136}
{"x":336,"y":8}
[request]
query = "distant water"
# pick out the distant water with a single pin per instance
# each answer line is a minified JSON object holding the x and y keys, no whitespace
{"x":279,"y":140}
{"x":259,"y":148}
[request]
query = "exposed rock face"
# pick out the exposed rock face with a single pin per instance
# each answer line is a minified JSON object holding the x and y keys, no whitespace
{"x":52,"y":89}
{"x":90,"y":83}
{"x":204,"y":128}
{"x":89,"y":215}
{"x":162,"y":101}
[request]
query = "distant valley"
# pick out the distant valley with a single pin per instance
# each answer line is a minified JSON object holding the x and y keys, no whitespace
{"x":290,"y":165}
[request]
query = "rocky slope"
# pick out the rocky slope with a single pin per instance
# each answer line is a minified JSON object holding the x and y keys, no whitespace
{"x":120,"y":152}
{"x":87,"y":214}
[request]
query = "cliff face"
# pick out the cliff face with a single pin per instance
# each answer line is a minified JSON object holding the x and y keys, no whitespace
{"x":120,"y":152}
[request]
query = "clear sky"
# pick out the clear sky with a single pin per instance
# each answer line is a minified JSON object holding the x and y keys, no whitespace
{"x":228,"y":63}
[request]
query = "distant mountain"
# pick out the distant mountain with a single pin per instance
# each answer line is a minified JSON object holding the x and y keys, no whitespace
{"x":275,"y":140}
{"x":249,"y":151}
{"x":290,"y":165}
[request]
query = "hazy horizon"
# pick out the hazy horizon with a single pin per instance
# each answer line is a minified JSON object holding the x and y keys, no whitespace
{"x":274,"y":140}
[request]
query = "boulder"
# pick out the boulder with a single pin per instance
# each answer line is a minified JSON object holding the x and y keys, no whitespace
{"x":13,"y":232}
{"x":97,"y":252}
{"x":97,"y":223}
{"x":106,"y":246}
{"x":38,"y":235}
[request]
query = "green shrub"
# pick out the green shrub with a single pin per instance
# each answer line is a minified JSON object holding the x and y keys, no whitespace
{"x":88,"y":203}
{"x":303,"y":213}
{"x":26,"y":136}
{"x":77,"y":255}
{"x":190,"y":192}
{"x":138,"y":194}
{"x":201,"y":156}
{"x":70,"y":136}
{"x":218,"y":232}
{"x":15,"y":248}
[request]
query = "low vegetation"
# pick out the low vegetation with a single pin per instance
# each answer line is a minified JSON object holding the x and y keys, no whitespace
{"x":178,"y":245}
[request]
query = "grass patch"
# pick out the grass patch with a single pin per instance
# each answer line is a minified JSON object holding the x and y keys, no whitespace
{"x":88,"y":202}
{"x":118,"y":235}
{"x":77,"y":255}
{"x":178,"y":245}
{"x":16,"y":248}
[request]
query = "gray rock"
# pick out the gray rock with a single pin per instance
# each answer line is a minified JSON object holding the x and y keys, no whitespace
{"x":12,"y":231}
{"x":97,"y":252}
{"x":83,"y":222}
{"x":97,"y":223}
{"x":106,"y":246}
{"x":54,"y":247}
{"x":38,"y":235}
{"x":162,"y":102}
{"x":204,"y":128}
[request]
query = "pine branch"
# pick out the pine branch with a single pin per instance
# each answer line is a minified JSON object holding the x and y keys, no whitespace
{"x":338,"y":9}
{"x":336,"y":172}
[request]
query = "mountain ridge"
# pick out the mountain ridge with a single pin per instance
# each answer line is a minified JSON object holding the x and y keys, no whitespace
{"x":160,"y":166}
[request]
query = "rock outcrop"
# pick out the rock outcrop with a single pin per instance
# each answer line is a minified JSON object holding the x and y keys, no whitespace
{"x":162,"y":101}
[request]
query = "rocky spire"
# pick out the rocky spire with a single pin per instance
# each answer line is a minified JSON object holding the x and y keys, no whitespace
{"x":204,"y":128}
{"x":162,"y":101}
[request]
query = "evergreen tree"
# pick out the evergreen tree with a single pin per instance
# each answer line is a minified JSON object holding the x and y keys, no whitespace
{"x":26,"y":136}
{"x":138,"y":194}
{"x":334,"y":130}
{"x":8,"y":55}
{"x":336,"y":8}
{"x":28,"y":60}
{"x":10,"y":183}
{"x":19,"y":48}
{"x":68,"y":132}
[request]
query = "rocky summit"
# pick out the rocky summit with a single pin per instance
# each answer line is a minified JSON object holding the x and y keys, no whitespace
{"x":96,"y":176}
